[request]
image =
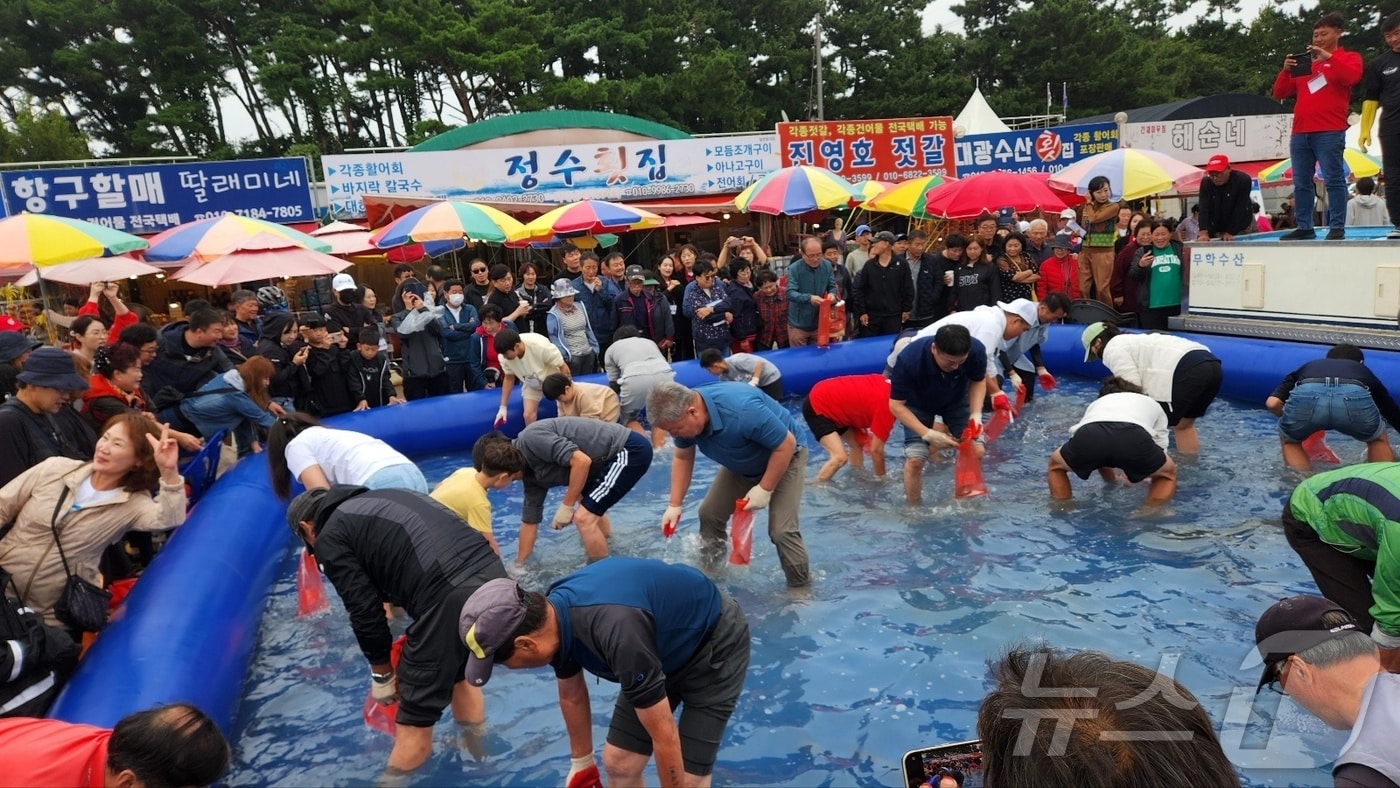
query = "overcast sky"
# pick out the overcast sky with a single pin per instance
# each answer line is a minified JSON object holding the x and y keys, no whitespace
{"x":938,"y":13}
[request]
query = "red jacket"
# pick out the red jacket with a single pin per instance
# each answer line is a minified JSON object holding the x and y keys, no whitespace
{"x":1058,"y":276}
{"x":118,"y":322}
{"x":1326,"y":109}
{"x":52,"y":754}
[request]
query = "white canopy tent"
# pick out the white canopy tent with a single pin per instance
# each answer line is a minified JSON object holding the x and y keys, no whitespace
{"x":977,"y":117}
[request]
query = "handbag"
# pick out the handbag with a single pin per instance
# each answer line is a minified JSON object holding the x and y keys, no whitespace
{"x":82,"y":605}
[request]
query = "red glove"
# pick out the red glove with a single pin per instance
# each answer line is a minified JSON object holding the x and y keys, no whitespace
{"x":585,"y":777}
{"x":1047,"y":381}
{"x":1001,"y":402}
{"x":974,"y":428}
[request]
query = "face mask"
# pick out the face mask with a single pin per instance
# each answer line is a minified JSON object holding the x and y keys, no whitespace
{"x":455,"y":299}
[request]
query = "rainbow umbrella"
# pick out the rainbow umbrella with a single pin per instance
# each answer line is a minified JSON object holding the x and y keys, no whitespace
{"x":588,"y":217}
{"x":872,"y":189}
{"x":1355,"y":164}
{"x":793,"y":191}
{"x":1132,"y":174}
{"x":208,"y":239}
{"x":600,"y":241}
{"x":449,"y":220}
{"x":35,"y":239}
{"x":906,"y":198}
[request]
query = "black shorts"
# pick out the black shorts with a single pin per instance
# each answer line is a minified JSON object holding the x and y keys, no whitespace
{"x":434,"y":657}
{"x":1113,"y":444}
{"x":618,"y":476}
{"x":707,"y":688}
{"x":1195,"y":383}
{"x":820,"y":425}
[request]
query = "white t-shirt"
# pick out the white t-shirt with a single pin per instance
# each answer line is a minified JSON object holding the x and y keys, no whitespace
{"x":986,"y":324}
{"x":86,"y":495}
{"x":345,"y":456}
{"x":1128,"y":407}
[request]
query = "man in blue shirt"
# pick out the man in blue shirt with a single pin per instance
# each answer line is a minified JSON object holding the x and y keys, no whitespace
{"x":754,"y":441}
{"x":664,"y":632}
{"x":940,"y":376}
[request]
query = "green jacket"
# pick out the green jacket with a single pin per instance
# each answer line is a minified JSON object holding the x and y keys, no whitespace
{"x":1357,"y":510}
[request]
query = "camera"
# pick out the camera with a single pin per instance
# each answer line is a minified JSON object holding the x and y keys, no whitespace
{"x":958,"y":763}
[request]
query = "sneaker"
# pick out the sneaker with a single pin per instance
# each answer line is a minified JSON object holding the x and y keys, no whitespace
{"x":1394,"y":235}
{"x":1336,"y":234}
{"x":1299,"y":235}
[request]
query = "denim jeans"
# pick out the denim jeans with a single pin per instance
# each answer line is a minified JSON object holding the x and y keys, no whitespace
{"x":1331,"y":405}
{"x":1308,"y":151}
{"x":404,"y":476}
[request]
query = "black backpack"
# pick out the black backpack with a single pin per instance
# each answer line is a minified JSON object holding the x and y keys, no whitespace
{"x":47,"y":655}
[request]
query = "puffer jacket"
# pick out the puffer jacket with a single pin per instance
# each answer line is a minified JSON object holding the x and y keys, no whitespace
{"x":28,"y":550}
{"x":289,"y":381}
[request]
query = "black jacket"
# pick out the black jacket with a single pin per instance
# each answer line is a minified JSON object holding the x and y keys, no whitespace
{"x":180,"y":366}
{"x":289,"y":381}
{"x":335,"y":385}
{"x":882,"y":291}
{"x":354,"y":317}
{"x":1225,"y":209}
{"x":376,"y":379}
{"x":28,"y":438}
{"x":931,"y":295}
{"x":398,"y":546}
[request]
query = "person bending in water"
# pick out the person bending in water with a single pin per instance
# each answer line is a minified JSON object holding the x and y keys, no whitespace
{"x":1122,"y":429}
{"x":665,"y":632}
{"x":403,"y":547}
{"x":1340,"y":393}
{"x":838,"y":410}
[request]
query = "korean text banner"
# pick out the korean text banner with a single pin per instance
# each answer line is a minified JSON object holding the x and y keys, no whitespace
{"x":1034,"y":150}
{"x":893,"y":149}
{"x":148,"y":198}
{"x":1243,"y":138}
{"x":635,"y":169}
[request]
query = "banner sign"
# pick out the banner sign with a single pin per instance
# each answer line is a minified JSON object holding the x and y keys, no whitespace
{"x":148,"y":198}
{"x":635,"y":169}
{"x":892,"y":149}
{"x":1242,"y":138}
{"x":1034,"y":150}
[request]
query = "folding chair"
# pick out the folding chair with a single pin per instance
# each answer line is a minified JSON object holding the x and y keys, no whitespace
{"x":199,"y":472}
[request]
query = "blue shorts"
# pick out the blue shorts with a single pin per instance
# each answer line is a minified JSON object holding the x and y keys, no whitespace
{"x":618,"y":475}
{"x":404,"y":476}
{"x":954,"y":418}
{"x":1344,"y":406}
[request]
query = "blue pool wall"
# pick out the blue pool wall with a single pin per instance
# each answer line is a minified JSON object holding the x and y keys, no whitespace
{"x":188,"y":629}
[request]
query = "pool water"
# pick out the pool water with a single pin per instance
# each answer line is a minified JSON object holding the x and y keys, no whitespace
{"x":889,"y":651}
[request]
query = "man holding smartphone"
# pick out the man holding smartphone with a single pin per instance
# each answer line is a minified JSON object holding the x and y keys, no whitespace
{"x":1322,"y":97}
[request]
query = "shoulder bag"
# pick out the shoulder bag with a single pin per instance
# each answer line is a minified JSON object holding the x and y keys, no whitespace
{"x":82,"y":605}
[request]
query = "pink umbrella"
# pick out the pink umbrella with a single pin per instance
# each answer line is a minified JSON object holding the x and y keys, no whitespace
{"x":263,"y":256}
{"x":347,"y":240}
{"x":85,"y":272}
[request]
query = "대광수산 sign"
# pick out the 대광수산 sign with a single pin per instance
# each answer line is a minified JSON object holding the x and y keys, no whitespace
{"x":148,"y":198}
{"x":1034,"y":150}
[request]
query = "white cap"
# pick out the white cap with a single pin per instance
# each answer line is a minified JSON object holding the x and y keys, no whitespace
{"x":1024,"y":226}
{"x":342,"y":282}
{"x":1067,"y":213}
{"x":1023,"y":309}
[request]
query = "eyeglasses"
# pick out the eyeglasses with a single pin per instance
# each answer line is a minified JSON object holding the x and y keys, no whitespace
{"x":1276,"y":684}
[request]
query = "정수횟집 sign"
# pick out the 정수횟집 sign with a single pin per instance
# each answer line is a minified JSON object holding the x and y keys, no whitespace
{"x":149,"y":198}
{"x":555,"y":174}
{"x":1034,"y":150}
{"x":889,"y":149}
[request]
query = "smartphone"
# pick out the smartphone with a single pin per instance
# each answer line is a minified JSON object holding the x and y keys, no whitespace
{"x":1302,"y":64}
{"x":959,"y":762}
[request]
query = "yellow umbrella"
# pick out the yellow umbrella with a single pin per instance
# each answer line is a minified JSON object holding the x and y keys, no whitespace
{"x":906,"y":198}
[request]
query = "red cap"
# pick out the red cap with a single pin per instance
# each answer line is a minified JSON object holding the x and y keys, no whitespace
{"x":1217,"y":163}
{"x":8,"y":323}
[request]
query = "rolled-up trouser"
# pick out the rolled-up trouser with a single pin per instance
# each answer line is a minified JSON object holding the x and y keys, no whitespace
{"x":1096,"y":271}
{"x":728,"y":487}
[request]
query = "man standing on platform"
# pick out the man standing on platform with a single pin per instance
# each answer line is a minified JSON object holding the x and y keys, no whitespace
{"x":1323,"y":94}
{"x":1224,"y":204}
{"x":1383,"y":92}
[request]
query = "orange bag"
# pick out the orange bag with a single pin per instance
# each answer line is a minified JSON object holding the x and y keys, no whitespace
{"x":967,"y":472}
{"x":824,"y":322}
{"x":311,"y":592}
{"x":741,"y":535}
{"x":1318,"y":450}
{"x":381,"y":718}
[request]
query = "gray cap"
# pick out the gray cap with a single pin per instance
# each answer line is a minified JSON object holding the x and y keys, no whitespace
{"x":885,"y":235}
{"x":488,"y":619}
{"x":303,"y":508}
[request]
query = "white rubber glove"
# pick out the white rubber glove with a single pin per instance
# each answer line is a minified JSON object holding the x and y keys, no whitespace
{"x":670,"y":520}
{"x":753,"y":382}
{"x":563,"y":516}
{"x":384,"y":692}
{"x":757,"y":498}
{"x":501,"y":415}
{"x":939,"y":440}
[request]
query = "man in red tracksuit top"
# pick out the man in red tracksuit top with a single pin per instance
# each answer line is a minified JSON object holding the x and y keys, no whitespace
{"x":1319,"y":124}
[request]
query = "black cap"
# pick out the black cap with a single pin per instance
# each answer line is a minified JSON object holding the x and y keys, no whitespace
{"x":1293,"y":625}
{"x":14,"y":344}
{"x":311,"y":319}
